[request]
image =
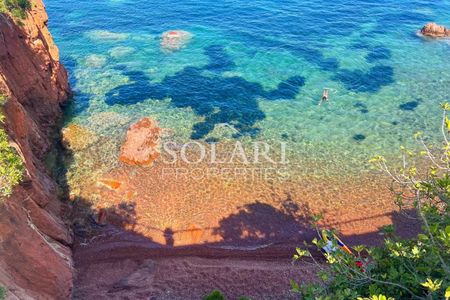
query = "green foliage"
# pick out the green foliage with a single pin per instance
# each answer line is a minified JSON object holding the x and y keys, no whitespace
{"x":17,"y":8}
{"x":11,"y":164}
{"x":416,"y":268}
{"x":2,"y":293}
{"x":217,"y":295}
{"x":3,"y":100}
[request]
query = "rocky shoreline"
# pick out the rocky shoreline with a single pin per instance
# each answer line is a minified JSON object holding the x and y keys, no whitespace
{"x":36,"y":258}
{"x":38,"y":248}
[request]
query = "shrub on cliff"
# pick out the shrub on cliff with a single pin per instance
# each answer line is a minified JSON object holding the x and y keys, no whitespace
{"x":17,"y":8}
{"x":11,"y":164}
{"x":2,"y":293}
{"x":417,"y":268}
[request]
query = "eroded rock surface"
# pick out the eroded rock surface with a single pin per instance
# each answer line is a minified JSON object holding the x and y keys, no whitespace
{"x":35,"y":260}
{"x":141,"y":143}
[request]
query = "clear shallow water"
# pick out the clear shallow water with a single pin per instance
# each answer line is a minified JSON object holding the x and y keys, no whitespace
{"x":260,"y":67}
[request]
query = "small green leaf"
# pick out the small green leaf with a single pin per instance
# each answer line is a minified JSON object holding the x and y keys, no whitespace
{"x":295,"y":287}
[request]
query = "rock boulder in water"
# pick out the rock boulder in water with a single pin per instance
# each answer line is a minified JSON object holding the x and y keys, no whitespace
{"x":141,"y":143}
{"x":436,"y":31}
{"x":175,"y":39}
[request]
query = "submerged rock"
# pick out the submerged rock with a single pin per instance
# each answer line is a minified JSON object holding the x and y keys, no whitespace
{"x":76,"y":137}
{"x":436,"y":31}
{"x":141,"y":143}
{"x":120,"y":51}
{"x":95,"y":61}
{"x":175,"y":39}
{"x":105,"y":35}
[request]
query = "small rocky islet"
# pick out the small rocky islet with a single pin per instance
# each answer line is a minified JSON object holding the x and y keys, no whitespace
{"x":434,"y":30}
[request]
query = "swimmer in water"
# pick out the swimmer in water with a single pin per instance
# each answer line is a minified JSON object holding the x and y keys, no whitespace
{"x":325,"y":96}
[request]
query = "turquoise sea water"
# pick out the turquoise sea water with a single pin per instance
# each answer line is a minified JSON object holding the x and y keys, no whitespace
{"x":260,"y":66}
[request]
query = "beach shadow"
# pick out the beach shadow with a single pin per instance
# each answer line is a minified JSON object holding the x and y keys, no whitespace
{"x":406,"y":224}
{"x":214,"y":97}
{"x":256,"y":232}
{"x":262,"y":223}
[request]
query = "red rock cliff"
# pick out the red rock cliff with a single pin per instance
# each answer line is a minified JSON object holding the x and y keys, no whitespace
{"x":35,"y":255}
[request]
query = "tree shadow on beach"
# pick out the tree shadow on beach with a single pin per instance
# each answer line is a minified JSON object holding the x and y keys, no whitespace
{"x":216,"y":98}
{"x":262,"y":223}
{"x":256,"y":231}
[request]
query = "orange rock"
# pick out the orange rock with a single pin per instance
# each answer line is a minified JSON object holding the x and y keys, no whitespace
{"x":141,"y":143}
{"x":435,"y":30}
{"x":110,"y":183}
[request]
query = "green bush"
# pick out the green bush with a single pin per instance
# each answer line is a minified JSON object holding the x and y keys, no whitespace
{"x":11,"y":164}
{"x":215,"y":295}
{"x":17,"y":8}
{"x":416,"y":268}
{"x":2,"y":293}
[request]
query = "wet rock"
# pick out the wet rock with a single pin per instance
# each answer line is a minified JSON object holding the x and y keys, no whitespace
{"x":76,"y":137}
{"x":175,"y":39}
{"x":141,"y":143}
{"x":436,"y":31}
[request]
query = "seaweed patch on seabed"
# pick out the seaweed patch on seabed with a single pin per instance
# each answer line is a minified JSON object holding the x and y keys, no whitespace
{"x":216,"y":98}
{"x":410,"y":106}
{"x":371,"y":81}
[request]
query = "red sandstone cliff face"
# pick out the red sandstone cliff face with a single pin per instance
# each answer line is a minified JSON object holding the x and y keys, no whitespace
{"x":35,"y":258}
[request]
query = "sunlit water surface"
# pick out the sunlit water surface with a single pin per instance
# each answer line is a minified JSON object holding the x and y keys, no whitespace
{"x":253,"y":71}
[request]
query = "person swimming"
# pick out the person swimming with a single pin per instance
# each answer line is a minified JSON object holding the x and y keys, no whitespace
{"x":325,"y":96}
